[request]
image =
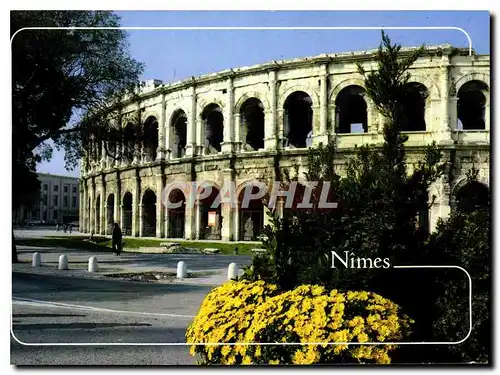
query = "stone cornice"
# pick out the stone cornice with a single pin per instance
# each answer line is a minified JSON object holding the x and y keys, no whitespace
{"x":345,"y":57}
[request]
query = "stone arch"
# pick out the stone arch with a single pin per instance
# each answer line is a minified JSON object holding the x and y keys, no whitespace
{"x":250,"y":214}
{"x":353,"y":81}
{"x":298,"y":119}
{"x":251,"y":124}
{"x":351,"y":110}
{"x":201,"y":104}
{"x":147,"y":114}
{"x":432,"y":87}
{"x":209,"y":229}
{"x":474,"y":76}
{"x":415,"y":107}
{"x":212,"y":116}
{"x":300,"y":87}
{"x":127,"y":209}
{"x":472,"y":105}
{"x":176,"y":215}
{"x":151,"y":128}
{"x":251,"y":94}
{"x":149,"y":202}
{"x":178,"y":127}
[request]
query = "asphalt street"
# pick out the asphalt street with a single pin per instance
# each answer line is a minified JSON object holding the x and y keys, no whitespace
{"x":69,"y":312}
{"x":77,"y":318}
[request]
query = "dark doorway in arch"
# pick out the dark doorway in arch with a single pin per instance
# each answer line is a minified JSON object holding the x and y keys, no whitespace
{"x":98,"y":214}
{"x":252,"y":124}
{"x":110,"y":206}
{"x":129,"y":139}
{"x":150,"y":140}
{"x":251,"y":218}
{"x":176,"y":215}
{"x":149,"y":214}
{"x":179,"y":134}
{"x":351,"y":110}
{"x":471,"y":105}
{"x":472,"y":196}
{"x":210,"y":218}
{"x":127,"y":214}
{"x":297,"y":119}
{"x":214,"y":128}
{"x":413,"y":107}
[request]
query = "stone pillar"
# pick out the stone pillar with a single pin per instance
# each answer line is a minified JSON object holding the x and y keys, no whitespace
{"x":227,"y":144}
{"x":192,"y":124}
{"x":84,"y":204}
{"x":445,"y":136}
{"x":91,"y":208}
{"x":441,"y":207}
{"x":117,"y":204}
{"x":197,"y":220}
{"x":160,"y":229}
{"x":103,"y":156}
{"x":104,"y":206}
{"x":135,"y":208}
{"x":160,"y":151}
{"x":190,"y":220}
{"x":271,"y":117}
{"x":238,"y":139}
{"x":322,"y":135}
{"x":124,"y":161}
{"x":200,"y":133}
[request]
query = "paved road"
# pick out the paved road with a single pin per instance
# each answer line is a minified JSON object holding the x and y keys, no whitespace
{"x":76,"y":307}
{"x":50,"y":309}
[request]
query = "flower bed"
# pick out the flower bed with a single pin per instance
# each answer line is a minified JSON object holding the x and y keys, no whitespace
{"x":256,"y":312}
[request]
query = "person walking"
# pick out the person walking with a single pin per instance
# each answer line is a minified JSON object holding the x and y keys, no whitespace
{"x":116,"y":241}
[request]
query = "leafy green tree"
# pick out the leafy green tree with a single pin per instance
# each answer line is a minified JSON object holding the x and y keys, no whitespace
{"x":464,"y":240}
{"x":60,"y":79}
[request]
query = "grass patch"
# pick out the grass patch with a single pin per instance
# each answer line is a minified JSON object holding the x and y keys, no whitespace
{"x":101,"y":243}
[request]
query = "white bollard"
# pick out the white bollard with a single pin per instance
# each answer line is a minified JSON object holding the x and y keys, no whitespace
{"x":181,"y":270}
{"x":63,"y":262}
{"x":232,"y":271}
{"x":93,"y":266}
{"x":37,"y":260}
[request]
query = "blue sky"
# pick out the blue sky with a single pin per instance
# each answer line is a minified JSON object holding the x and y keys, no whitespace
{"x":174,"y":55}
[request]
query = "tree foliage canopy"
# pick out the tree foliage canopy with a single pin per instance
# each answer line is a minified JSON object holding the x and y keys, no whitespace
{"x":59,"y":75}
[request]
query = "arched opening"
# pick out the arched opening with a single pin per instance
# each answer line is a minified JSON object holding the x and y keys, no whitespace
{"x":127,"y":214}
{"x":176,"y":214}
{"x":110,"y":205}
{"x":149,"y":214}
{"x":213,"y":120}
{"x":471,"y":105}
{"x":251,"y":215}
{"x":297,"y":119}
{"x":413,"y":107}
{"x":210,"y":217}
{"x":129,"y":139}
{"x":472,"y":196}
{"x":351,"y":110}
{"x":150,"y":140}
{"x":252,"y":124}
{"x":179,"y":134}
{"x":98,"y":214}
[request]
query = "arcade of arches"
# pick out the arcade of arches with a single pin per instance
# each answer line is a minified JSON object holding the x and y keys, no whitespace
{"x":230,"y":126}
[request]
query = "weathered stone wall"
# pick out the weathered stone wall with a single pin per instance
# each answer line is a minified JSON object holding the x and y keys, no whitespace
{"x":442,"y":71}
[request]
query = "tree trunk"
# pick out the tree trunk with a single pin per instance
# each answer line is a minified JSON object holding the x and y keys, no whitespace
{"x":14,"y":250}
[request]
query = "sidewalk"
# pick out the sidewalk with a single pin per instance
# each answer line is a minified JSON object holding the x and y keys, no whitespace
{"x":108,"y":263}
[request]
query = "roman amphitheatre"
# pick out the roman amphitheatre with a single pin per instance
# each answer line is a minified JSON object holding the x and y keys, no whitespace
{"x":231,"y":125}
